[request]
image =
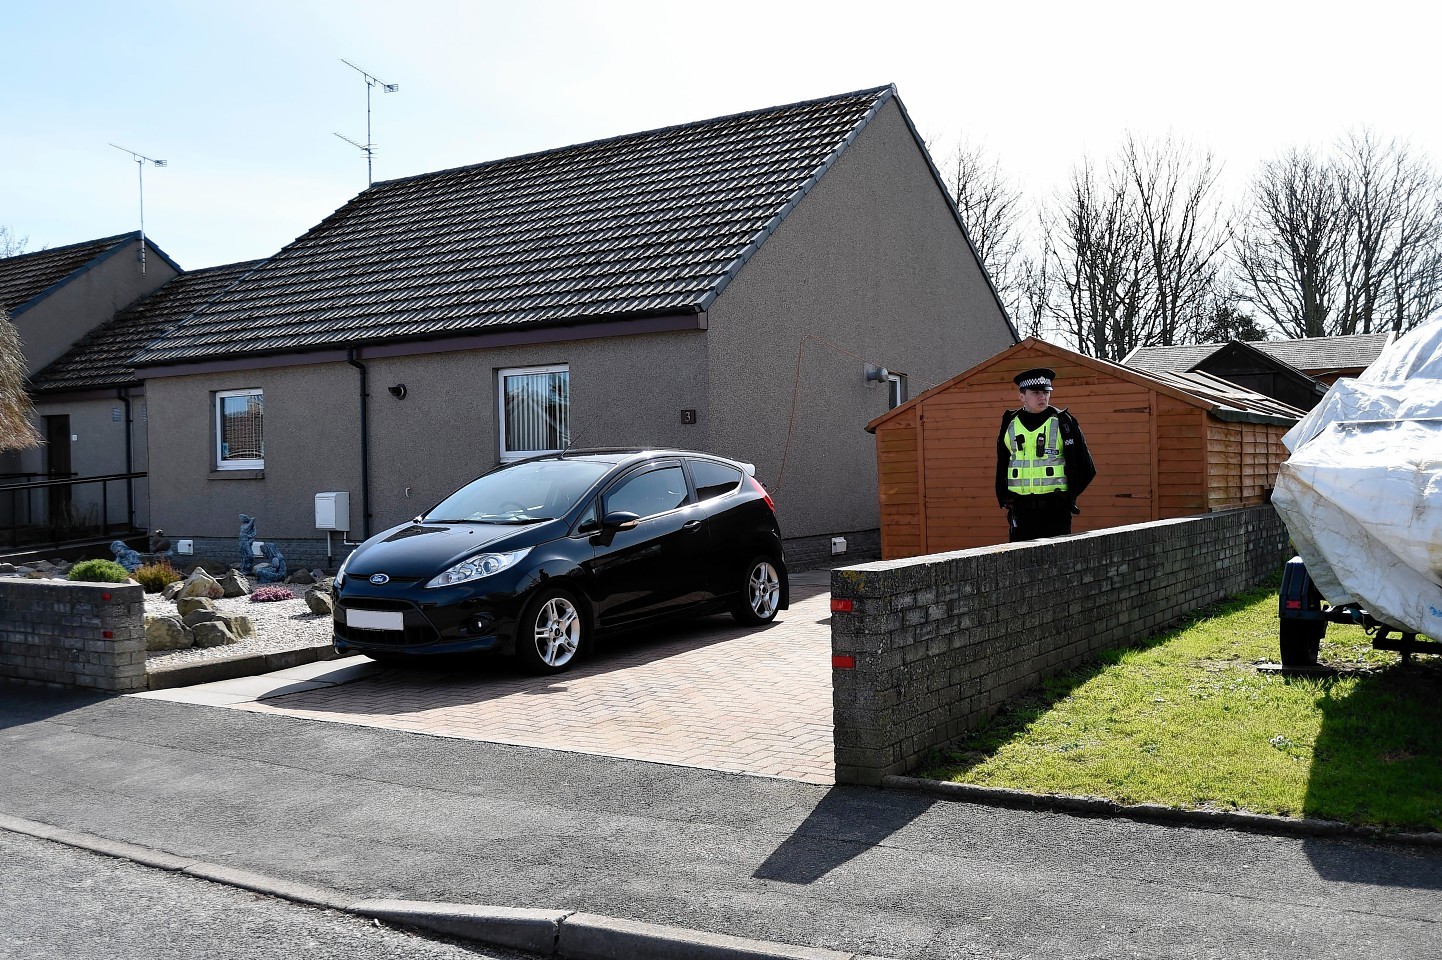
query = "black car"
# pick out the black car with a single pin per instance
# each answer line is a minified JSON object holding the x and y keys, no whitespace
{"x":538,"y":556}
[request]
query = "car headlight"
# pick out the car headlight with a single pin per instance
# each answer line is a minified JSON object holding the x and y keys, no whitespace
{"x":481,"y":565}
{"x":340,"y":573}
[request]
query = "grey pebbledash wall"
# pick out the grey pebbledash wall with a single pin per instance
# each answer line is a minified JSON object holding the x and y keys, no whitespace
{"x":73,"y":634}
{"x":941,"y":642}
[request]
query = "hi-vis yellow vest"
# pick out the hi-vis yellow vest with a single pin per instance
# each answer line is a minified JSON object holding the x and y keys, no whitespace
{"x":1037,"y":465}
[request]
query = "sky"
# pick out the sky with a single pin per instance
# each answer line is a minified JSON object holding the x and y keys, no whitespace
{"x":243,"y":100}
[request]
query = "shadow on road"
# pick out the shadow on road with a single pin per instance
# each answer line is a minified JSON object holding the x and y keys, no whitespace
{"x":22,"y":703}
{"x":845,"y":824}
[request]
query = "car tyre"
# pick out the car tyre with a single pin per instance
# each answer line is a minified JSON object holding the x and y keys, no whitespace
{"x":551,"y":633}
{"x":760,"y":593}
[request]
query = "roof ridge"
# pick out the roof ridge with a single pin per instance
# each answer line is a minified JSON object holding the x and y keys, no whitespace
{"x":637,"y":134}
{"x":97,"y":242}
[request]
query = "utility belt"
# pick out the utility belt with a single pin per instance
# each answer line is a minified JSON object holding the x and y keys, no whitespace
{"x":1054,"y":500}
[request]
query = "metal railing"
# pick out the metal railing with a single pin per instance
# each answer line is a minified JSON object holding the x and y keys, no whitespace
{"x":40,"y":512}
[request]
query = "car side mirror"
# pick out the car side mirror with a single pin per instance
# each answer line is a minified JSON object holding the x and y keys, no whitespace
{"x":620,"y":520}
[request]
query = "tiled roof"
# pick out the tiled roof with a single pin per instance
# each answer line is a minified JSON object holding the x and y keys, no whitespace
{"x":1313,"y":354}
{"x":24,"y":277}
{"x":1327,"y":353}
{"x":102,"y":357}
{"x":648,"y":224}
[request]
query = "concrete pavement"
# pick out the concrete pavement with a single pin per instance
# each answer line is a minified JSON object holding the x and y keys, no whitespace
{"x":375,"y":814}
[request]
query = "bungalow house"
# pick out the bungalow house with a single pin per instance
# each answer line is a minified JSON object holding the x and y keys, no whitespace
{"x":95,"y":390}
{"x":55,"y":297}
{"x":758,"y":285}
{"x":1279,"y":369}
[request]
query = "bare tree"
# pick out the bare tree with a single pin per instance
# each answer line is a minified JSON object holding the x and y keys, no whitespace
{"x":1182,"y":232}
{"x":1392,"y":243}
{"x":1289,"y":251}
{"x":10,"y":244}
{"x":1348,"y":245}
{"x":1097,"y":257}
{"x":17,"y":430}
{"x":991,"y":207}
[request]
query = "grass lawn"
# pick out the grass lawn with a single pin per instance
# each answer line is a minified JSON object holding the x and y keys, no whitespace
{"x":1185,"y":719}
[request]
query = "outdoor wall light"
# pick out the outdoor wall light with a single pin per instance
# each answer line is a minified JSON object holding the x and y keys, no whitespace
{"x":876,"y":374}
{"x":398,"y":391}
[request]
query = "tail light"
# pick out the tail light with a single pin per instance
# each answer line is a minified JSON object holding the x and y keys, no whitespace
{"x":762,"y":490}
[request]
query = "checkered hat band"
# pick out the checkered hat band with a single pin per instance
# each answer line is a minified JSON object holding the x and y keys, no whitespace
{"x":1036,"y":382}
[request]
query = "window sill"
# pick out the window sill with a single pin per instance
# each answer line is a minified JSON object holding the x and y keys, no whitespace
{"x":237,"y":475}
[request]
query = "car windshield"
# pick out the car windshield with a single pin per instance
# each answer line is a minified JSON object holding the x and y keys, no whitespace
{"x":524,"y":493}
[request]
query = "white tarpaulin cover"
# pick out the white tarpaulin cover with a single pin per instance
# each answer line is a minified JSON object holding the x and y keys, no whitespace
{"x":1361,"y":493}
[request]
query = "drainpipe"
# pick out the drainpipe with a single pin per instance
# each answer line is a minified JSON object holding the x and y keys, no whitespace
{"x":123,"y":394}
{"x":365,"y":453}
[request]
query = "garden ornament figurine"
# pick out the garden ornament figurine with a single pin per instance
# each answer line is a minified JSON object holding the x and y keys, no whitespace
{"x":160,"y":544}
{"x":273,"y":570}
{"x":125,"y":556}
{"x":247,"y":540}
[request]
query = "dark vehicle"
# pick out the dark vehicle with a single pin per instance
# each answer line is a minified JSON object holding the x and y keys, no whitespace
{"x":537,"y":557}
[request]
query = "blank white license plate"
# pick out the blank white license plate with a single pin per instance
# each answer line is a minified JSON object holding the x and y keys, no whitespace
{"x":375,"y":620}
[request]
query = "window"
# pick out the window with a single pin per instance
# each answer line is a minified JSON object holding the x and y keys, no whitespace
{"x":647,"y":494}
{"x":239,"y":430}
{"x":535,"y":406}
{"x":714,"y":479}
{"x":896,"y":392}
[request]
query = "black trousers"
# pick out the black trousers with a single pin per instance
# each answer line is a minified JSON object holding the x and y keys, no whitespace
{"x":1038,"y":516}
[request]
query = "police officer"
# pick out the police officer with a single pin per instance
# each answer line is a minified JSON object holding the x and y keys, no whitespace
{"x":1042,"y":462}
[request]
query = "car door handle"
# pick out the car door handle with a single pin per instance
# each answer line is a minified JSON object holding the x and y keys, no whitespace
{"x":691,"y":525}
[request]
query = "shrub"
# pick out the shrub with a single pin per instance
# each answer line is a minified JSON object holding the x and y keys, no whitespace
{"x":270,"y":595}
{"x":155,"y":577}
{"x":99,"y":571}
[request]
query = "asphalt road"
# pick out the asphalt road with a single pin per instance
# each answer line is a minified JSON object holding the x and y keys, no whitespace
{"x":68,"y":904}
{"x":380,"y":813}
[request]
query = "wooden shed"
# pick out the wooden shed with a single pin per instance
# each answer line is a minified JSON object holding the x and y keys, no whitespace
{"x":1165,"y":445}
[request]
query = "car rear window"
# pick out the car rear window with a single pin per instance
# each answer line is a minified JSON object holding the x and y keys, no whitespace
{"x":714,"y":479}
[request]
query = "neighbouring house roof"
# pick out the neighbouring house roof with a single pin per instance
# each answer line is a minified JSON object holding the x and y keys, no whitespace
{"x":651,"y":224}
{"x":1311,"y":355}
{"x":28,"y":277}
{"x":102,"y":358}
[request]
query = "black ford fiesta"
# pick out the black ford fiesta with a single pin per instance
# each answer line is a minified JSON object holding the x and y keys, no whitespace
{"x":536,"y":557}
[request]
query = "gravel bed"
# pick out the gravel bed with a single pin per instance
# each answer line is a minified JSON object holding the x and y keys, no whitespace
{"x":279,"y":625}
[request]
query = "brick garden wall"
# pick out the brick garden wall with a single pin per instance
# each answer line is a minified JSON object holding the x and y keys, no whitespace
{"x":55,"y":631}
{"x":941,"y":642}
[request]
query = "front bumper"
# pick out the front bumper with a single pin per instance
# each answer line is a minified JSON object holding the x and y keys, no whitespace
{"x":460,"y":619}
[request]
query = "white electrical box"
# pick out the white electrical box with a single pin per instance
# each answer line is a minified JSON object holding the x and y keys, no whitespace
{"x":332,"y":510}
{"x":257,"y":549}
{"x":838,"y":545}
{"x":185,"y":547}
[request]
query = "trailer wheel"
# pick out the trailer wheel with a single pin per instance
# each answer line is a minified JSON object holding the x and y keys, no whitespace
{"x":1300,"y":641}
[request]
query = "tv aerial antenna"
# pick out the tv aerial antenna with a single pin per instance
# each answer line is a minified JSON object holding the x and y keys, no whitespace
{"x":140,"y":161}
{"x":368,"y":148}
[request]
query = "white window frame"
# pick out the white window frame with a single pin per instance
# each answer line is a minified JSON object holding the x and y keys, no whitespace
{"x":896,"y":390}
{"x":501,"y":376}
{"x":219,"y":403}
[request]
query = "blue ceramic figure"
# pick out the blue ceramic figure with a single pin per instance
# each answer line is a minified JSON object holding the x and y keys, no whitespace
{"x":125,"y":556}
{"x":273,"y":570}
{"x":247,"y":540}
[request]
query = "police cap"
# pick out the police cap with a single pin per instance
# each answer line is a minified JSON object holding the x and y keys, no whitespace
{"x":1038,"y":378}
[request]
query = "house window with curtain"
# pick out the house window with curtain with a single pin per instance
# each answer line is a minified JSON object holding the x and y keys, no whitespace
{"x":240,"y":430}
{"x":535,"y":410}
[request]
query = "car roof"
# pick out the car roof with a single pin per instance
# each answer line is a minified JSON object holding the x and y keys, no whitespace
{"x":620,"y":455}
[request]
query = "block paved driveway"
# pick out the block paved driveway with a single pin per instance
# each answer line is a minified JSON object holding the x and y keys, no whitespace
{"x":704,"y":693}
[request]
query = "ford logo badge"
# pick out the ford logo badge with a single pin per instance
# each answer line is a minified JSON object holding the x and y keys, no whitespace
{"x":379,"y":578}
